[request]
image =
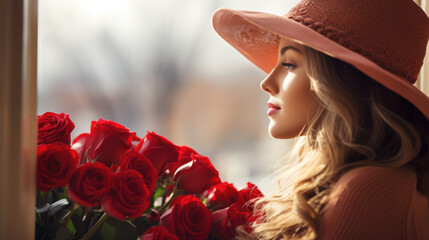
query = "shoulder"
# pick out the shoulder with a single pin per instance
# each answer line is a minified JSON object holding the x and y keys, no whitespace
{"x":374,"y":184}
{"x":367,"y":202}
{"x":376,"y":177}
{"x":376,"y":171}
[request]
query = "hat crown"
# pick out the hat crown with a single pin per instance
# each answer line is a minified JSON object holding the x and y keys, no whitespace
{"x":393,"y":34}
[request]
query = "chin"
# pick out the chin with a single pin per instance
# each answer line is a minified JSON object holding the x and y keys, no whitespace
{"x":278,"y":133}
{"x":283,"y":136}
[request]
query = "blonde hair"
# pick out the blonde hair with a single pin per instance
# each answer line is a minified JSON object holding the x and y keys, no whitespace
{"x":359,"y":123}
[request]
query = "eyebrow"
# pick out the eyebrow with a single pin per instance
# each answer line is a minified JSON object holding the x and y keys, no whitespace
{"x":283,"y":50}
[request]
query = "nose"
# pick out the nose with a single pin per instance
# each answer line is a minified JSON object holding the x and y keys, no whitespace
{"x":269,"y":84}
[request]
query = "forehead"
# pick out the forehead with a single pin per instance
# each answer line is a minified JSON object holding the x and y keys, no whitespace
{"x":287,"y":42}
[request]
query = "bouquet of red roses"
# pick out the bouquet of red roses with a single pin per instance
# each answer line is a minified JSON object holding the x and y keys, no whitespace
{"x":111,"y":184}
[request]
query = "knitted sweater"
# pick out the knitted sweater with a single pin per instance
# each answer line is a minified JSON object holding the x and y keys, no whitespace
{"x":375,"y":203}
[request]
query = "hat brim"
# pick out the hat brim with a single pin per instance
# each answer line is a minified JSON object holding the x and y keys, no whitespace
{"x":256,"y":35}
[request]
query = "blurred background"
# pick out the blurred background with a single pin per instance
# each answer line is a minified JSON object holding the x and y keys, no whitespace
{"x":159,"y":66}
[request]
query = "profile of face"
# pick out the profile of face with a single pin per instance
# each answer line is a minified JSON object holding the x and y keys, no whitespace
{"x":291,"y":103}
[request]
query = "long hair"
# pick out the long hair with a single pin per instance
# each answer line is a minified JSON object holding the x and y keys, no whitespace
{"x":359,"y":123}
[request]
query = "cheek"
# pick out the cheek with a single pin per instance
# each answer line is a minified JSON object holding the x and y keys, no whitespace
{"x":298,"y":103}
{"x":297,"y":97}
{"x":295,"y":88}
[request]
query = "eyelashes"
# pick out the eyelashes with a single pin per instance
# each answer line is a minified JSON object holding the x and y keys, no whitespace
{"x":289,"y":66}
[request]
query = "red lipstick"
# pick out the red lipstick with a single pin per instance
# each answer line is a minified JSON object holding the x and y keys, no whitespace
{"x":272,"y":109}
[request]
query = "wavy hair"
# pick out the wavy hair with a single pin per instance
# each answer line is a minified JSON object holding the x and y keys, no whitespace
{"x":359,"y":123}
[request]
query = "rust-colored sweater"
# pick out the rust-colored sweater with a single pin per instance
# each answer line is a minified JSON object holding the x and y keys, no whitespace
{"x":375,"y":203}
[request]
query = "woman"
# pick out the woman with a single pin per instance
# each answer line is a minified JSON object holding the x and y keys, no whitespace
{"x":341,"y":76}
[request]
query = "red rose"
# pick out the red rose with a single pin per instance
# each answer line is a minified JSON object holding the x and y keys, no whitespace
{"x":237,"y":217}
{"x":188,"y":218}
{"x":89,"y":184}
{"x":221,"y":195}
{"x":158,"y":150}
{"x":250,"y":192}
{"x":54,"y":127}
{"x":134,"y":160}
{"x":106,"y":142}
{"x":158,"y":233}
{"x":185,"y":154}
{"x":184,"y":157}
{"x":197,"y":175}
{"x":55,"y":164}
{"x":241,"y":212}
{"x":222,"y":227}
{"x":128,"y":196}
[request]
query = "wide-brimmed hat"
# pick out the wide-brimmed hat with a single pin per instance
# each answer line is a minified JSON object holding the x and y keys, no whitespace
{"x":385,"y":39}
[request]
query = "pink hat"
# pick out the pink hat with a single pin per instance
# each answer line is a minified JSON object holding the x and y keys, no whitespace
{"x":384,"y":39}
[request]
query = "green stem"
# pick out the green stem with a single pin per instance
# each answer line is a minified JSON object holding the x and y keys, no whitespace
{"x":46,"y":197}
{"x":44,"y":215}
{"x":70,"y":214}
{"x":167,"y":204}
{"x":95,"y":227}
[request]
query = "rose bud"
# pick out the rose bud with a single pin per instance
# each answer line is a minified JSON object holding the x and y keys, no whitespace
{"x":197,"y":175}
{"x":237,"y":217}
{"x":134,"y":160}
{"x":188,"y":218}
{"x":248,"y":193}
{"x":53,"y":127}
{"x":89,"y":183}
{"x":128,"y":196}
{"x":185,"y":154}
{"x":184,"y":157}
{"x":158,"y":233}
{"x":114,"y":167}
{"x":222,"y":227}
{"x":107,"y":141}
{"x":241,"y":212}
{"x":158,"y":150}
{"x":221,"y":196}
{"x":55,"y":164}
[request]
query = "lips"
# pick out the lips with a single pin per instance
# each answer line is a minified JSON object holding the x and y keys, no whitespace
{"x":272,"y":109}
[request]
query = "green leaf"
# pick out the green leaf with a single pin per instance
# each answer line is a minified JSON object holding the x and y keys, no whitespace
{"x":79,"y":212}
{"x":62,"y":196}
{"x":70,"y":226}
{"x":124,"y":230}
{"x":160,"y":191}
{"x":108,"y":231}
{"x":38,"y":218}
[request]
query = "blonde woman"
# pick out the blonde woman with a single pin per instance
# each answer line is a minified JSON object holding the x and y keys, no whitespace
{"x":340,"y":76}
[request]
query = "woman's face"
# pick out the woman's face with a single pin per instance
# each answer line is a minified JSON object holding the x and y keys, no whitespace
{"x":291,"y":102}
